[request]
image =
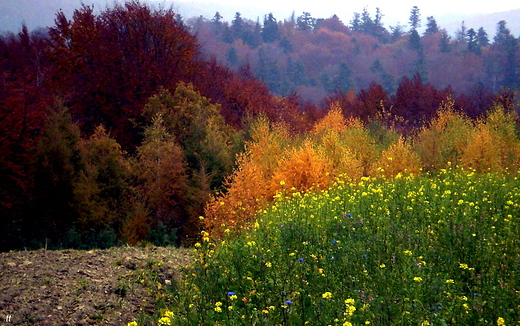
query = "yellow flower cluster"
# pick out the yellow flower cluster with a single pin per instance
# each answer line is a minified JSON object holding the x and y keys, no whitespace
{"x":349,"y":307}
{"x":326,"y":295}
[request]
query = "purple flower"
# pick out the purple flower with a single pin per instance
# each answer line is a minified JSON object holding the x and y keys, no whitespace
{"x":288,"y":302}
{"x":301,"y":260}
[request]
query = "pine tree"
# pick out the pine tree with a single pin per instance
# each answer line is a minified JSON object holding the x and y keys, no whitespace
{"x":415,"y":40}
{"x":305,"y":22}
{"x":473,"y":45}
{"x":58,"y":163}
{"x":343,"y":80}
{"x":482,"y":38}
{"x":270,"y":29}
{"x":444,"y":43}
{"x":237,"y":26}
{"x":415,"y":18}
{"x":355,"y":23}
{"x":102,"y":188}
{"x":431,"y":26}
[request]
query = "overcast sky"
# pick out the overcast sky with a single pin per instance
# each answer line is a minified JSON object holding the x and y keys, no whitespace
{"x":393,"y":11}
{"x":449,"y":14}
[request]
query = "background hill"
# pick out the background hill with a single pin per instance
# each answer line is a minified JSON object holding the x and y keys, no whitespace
{"x":489,"y":21}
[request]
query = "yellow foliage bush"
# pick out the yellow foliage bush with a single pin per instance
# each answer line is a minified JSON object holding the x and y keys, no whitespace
{"x":494,"y":145}
{"x":357,"y":139}
{"x":399,"y":158}
{"x":347,"y":143}
{"x":342,"y":160}
{"x":443,"y":140}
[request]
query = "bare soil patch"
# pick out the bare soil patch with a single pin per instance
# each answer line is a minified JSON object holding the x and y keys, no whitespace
{"x":75,"y":287}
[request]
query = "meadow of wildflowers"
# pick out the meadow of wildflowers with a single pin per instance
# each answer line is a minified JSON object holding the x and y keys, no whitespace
{"x":427,"y":250}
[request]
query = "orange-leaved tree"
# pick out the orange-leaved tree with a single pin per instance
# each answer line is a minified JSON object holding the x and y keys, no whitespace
{"x":302,"y":168}
{"x":248,"y":188}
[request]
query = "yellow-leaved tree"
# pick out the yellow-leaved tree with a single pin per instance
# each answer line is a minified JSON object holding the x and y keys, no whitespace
{"x":494,"y":144}
{"x":442,"y":141}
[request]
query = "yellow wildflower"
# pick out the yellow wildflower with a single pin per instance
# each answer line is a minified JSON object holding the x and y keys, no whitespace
{"x":164,"y":321}
{"x":168,"y":313}
{"x":326,"y":295}
{"x":349,"y":301}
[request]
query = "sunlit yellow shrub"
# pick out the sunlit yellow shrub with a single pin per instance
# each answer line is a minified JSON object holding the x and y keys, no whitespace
{"x":494,"y":145}
{"x":347,"y":143}
{"x":357,"y":139}
{"x":341,"y":158}
{"x":399,"y":158}
{"x":443,"y":140}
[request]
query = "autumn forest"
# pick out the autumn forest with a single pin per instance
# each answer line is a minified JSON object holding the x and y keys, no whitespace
{"x":128,"y":125}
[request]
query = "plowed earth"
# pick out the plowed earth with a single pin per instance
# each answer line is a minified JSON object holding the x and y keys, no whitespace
{"x":74,"y":287}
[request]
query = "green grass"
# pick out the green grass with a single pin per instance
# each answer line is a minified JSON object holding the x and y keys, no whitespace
{"x":436,"y":250}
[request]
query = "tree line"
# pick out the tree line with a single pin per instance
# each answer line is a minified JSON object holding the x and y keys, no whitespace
{"x":315,"y":57}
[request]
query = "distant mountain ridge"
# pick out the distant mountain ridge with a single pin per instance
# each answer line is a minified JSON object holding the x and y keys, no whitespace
{"x":487,"y":21}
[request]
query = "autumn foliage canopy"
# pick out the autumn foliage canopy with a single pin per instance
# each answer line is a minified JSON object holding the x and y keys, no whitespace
{"x":116,"y":128}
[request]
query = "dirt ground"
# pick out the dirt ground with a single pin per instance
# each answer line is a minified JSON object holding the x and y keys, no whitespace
{"x":74,"y":287}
